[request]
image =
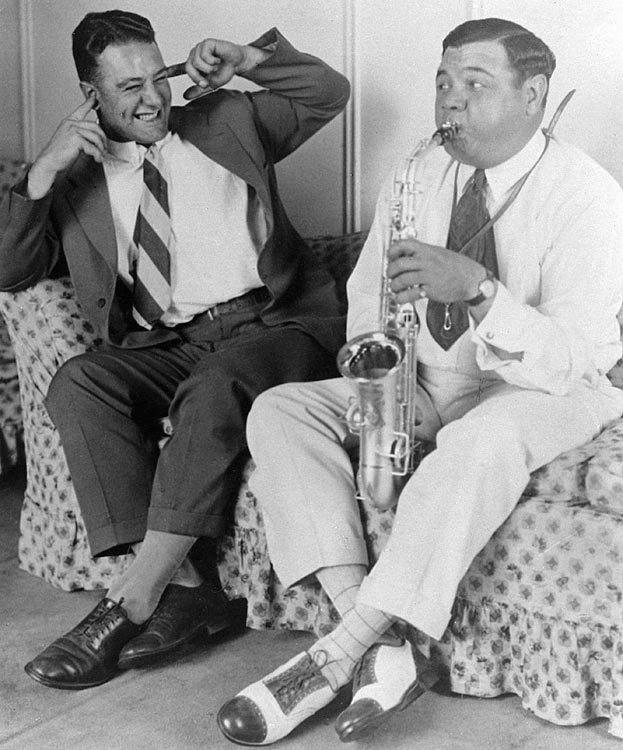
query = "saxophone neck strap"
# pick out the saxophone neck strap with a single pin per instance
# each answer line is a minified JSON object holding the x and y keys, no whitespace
{"x":512,"y":195}
{"x":514,"y":191}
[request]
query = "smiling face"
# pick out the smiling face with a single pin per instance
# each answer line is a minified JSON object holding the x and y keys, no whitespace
{"x":133,"y":93}
{"x":477,"y":88}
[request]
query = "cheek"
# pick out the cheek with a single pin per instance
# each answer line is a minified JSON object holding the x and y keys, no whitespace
{"x":115,"y":109}
{"x":166,"y":99}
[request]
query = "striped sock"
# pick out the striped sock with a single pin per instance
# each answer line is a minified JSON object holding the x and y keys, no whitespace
{"x":341,"y":584}
{"x":338,"y":652}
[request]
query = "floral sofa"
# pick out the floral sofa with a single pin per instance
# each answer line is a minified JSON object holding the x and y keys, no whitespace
{"x":11,"y":444}
{"x":539,"y":613}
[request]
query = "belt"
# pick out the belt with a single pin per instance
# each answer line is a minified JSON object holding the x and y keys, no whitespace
{"x":254,"y":297}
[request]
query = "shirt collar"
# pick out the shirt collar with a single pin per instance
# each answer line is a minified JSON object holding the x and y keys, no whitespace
{"x":131,"y":153}
{"x":502,"y":177}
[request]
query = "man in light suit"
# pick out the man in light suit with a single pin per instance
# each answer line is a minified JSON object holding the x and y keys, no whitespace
{"x":511,"y":256}
{"x":173,"y":212}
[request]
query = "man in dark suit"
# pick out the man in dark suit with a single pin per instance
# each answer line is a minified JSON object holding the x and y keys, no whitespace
{"x":183,"y":258}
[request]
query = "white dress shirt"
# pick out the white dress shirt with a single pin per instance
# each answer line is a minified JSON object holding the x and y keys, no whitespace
{"x":560,"y":256}
{"x":216,"y":218}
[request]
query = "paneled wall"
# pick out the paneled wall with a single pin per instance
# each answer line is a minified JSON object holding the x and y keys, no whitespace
{"x":11,"y":116}
{"x":388,"y":48}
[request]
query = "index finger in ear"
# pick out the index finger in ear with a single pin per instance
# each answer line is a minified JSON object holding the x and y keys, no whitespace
{"x":193,"y":92}
{"x":178,"y":69}
{"x":83,"y":110}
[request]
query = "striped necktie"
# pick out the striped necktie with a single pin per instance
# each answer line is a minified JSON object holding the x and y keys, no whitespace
{"x":448,"y":322}
{"x":153,"y":241}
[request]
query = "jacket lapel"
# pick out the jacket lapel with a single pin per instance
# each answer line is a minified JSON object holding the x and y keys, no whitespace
{"x":87,"y":196}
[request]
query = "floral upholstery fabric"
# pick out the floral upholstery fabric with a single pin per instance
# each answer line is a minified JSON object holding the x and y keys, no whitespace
{"x":47,"y":327}
{"x":11,"y":442}
{"x":11,"y":170}
{"x":539,"y":613}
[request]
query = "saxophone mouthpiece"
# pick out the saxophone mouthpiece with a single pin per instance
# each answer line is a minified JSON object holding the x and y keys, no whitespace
{"x":446,"y":132}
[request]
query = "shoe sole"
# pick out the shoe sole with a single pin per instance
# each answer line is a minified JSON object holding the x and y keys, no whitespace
{"x":358,"y":729}
{"x":64,"y":685}
{"x":236,"y":611}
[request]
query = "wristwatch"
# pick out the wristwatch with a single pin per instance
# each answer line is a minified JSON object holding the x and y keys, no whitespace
{"x":486,"y":290}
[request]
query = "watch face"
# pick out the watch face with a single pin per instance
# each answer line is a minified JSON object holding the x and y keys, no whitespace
{"x":487,"y":288}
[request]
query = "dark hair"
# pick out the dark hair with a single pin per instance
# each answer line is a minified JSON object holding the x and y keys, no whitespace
{"x":97,"y":31}
{"x":527,"y":54}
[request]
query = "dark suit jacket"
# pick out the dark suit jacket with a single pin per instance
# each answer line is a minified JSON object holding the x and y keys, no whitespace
{"x":247,"y":134}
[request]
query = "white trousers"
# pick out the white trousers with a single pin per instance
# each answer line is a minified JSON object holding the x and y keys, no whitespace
{"x":488,"y":442}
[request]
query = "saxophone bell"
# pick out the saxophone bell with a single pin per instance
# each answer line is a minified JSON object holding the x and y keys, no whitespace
{"x":372,"y":361}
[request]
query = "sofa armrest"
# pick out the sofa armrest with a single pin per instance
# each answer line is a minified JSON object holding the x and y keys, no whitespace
{"x":604,"y":476}
{"x":11,"y":172}
{"x":47,"y":327}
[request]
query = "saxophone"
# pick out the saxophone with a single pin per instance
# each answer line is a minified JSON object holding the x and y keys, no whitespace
{"x":383,"y":364}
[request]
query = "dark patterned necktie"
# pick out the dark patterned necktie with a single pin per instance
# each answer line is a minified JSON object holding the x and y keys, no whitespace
{"x":448,"y":322}
{"x":153,"y":240}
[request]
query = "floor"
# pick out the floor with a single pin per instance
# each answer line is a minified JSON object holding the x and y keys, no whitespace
{"x":173,"y":706}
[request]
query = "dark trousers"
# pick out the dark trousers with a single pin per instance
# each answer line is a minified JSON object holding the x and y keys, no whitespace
{"x":105,"y":405}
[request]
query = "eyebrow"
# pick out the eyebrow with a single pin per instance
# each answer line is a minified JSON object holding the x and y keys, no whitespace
{"x":471,"y":69}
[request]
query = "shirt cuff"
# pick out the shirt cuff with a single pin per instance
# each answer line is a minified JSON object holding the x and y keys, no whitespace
{"x":503,"y":325}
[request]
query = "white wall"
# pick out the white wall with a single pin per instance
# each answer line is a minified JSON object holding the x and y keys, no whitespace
{"x":587,"y":39}
{"x":397,"y":52}
{"x":389,"y":49}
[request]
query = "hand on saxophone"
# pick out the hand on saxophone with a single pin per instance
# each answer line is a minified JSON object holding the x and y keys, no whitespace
{"x":418,"y":270}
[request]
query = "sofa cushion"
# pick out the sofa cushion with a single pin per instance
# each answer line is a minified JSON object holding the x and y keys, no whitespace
{"x":604,"y":477}
{"x":338,"y":255}
{"x":11,"y":437}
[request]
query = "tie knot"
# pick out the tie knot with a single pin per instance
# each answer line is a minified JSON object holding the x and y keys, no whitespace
{"x":151,"y":154}
{"x":479,"y":180}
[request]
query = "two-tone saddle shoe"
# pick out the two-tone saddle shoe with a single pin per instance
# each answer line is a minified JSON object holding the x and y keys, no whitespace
{"x":386,"y":681}
{"x":270,"y":709}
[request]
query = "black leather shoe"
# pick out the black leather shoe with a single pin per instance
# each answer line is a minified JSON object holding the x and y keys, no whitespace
{"x":87,"y":655}
{"x":181,"y":614}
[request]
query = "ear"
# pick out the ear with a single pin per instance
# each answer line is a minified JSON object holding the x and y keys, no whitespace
{"x":88,"y":89}
{"x":535,"y":89}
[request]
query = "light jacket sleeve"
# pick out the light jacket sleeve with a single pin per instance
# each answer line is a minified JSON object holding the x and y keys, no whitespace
{"x":571,"y":335}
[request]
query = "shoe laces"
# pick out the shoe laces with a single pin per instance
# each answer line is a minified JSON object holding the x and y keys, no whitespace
{"x":100,"y":622}
{"x":289,"y":687}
